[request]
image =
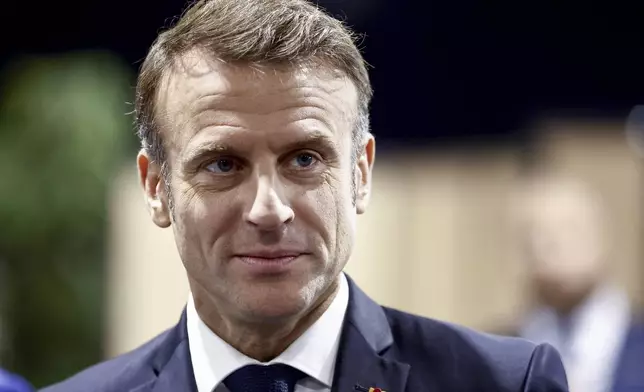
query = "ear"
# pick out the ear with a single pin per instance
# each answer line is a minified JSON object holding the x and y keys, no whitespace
{"x":154,"y":188}
{"x":363,"y":170}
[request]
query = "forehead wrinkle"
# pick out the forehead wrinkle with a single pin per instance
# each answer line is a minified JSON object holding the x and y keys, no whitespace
{"x":197,"y":65}
{"x":169,"y":110}
{"x":193,"y":88}
{"x":305,"y":138}
{"x":220,"y":109}
{"x":255,"y":92}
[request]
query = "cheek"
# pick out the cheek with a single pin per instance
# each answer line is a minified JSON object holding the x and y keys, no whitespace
{"x":201,"y":219}
{"x":330,"y":201}
{"x":329,"y":211}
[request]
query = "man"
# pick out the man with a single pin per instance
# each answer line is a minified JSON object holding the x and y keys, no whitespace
{"x":579,"y":309}
{"x":257,"y":152}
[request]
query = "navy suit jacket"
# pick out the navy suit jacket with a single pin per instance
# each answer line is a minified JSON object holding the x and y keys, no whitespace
{"x":380,"y":347}
{"x":629,"y":375}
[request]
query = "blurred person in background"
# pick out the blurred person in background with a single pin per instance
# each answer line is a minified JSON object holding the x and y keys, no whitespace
{"x":578,"y":307}
{"x":13,"y":383}
{"x":257,"y":152}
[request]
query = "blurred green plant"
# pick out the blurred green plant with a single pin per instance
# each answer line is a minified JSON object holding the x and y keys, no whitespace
{"x":63,"y":133}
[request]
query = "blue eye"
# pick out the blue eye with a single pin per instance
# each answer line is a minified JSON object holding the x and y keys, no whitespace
{"x":222,"y":165}
{"x":304,"y":160}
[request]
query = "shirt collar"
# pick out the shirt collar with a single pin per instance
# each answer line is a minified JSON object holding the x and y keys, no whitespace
{"x":313,"y":353}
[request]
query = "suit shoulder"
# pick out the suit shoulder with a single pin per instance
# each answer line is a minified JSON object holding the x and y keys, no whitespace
{"x":117,"y":374}
{"x":457,"y":350}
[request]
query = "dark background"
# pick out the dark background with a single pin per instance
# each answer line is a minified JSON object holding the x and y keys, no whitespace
{"x":443,"y":71}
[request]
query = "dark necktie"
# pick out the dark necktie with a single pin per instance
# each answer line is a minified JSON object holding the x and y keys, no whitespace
{"x":260,"y":378}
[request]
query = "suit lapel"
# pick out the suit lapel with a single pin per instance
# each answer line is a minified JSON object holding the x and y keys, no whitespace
{"x":628,"y":375}
{"x":362,"y":360}
{"x":172,"y":365}
{"x":177,"y":374}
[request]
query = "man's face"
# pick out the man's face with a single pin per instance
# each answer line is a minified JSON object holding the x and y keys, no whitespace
{"x":563,"y":238}
{"x":260,"y":183}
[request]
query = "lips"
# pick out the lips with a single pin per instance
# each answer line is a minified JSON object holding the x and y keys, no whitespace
{"x":270,"y":254}
{"x":268,"y":262}
{"x":255,"y":260}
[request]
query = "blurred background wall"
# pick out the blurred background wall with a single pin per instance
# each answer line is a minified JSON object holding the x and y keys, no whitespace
{"x":468,"y":96}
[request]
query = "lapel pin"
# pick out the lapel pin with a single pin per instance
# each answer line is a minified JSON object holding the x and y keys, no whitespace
{"x":360,"y":388}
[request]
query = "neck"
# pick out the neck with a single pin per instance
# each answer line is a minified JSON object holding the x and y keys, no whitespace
{"x":262,"y":340}
{"x":565,"y":303}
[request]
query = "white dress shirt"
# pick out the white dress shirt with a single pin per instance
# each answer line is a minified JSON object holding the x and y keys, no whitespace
{"x":313,"y":353}
{"x":590,"y":341}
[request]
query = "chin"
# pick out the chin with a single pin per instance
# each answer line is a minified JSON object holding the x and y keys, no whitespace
{"x":277,"y":302}
{"x":276,"y":311}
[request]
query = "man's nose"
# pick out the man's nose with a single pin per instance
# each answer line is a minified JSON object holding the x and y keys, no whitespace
{"x":269,"y":211}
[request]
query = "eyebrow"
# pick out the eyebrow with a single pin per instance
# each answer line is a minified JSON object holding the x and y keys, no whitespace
{"x":209,"y":149}
{"x":315,"y":139}
{"x":206,"y":150}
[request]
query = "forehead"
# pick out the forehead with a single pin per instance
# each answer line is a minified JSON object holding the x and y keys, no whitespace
{"x":197,"y":84}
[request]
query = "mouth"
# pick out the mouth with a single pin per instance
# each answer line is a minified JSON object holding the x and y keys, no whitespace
{"x":268,"y":262}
